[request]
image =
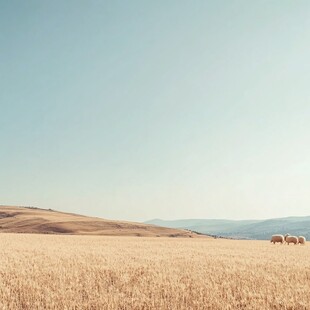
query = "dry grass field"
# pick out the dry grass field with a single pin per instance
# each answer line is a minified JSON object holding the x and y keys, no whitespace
{"x":35,"y":220}
{"x":97,"y":272}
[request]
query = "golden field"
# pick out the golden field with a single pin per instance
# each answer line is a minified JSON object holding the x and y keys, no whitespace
{"x":97,"y":272}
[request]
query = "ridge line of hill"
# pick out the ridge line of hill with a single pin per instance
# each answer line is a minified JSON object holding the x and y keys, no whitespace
{"x":242,"y":229}
{"x":14,"y":219}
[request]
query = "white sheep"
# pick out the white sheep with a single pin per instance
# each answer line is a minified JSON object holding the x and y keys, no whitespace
{"x":277,"y":238}
{"x":290,"y":239}
{"x":302,"y":240}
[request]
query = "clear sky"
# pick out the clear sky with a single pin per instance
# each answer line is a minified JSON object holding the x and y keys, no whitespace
{"x":156,"y":109}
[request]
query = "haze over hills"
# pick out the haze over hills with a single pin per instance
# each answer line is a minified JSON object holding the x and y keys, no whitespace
{"x":243,"y":229}
{"x":35,"y":220}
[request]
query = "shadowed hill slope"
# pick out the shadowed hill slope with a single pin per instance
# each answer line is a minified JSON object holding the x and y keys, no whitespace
{"x":35,"y":220}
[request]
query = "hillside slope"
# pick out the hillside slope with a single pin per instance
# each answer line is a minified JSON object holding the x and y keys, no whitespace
{"x":35,"y":220}
{"x":244,"y":229}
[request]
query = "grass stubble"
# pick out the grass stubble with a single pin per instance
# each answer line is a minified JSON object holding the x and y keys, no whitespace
{"x":95,"y":272}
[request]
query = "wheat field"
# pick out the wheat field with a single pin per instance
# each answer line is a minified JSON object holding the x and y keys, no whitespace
{"x":95,"y":272}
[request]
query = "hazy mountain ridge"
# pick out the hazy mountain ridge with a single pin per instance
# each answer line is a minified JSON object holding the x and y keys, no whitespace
{"x":245,"y":229}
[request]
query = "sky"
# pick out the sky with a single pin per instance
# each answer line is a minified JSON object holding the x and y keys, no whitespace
{"x":135,"y":110}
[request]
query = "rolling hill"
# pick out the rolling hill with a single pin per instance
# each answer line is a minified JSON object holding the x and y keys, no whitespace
{"x":244,"y":229}
{"x":43,"y":221}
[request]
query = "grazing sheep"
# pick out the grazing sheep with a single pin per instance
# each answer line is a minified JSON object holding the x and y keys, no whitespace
{"x":291,"y":239}
{"x":302,"y":240}
{"x":277,"y":238}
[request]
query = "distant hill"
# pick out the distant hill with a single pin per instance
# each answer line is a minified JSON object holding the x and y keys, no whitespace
{"x":35,"y":220}
{"x":244,"y":229}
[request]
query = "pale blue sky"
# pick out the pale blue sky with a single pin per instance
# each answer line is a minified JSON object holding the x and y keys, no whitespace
{"x":156,"y":109}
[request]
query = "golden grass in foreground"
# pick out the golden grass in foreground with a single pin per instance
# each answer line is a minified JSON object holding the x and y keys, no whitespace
{"x":92,"y":272}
